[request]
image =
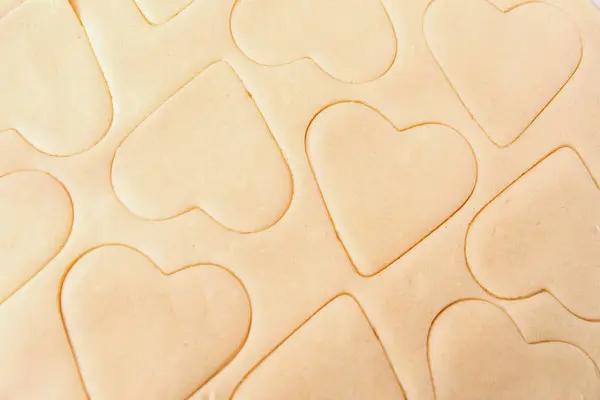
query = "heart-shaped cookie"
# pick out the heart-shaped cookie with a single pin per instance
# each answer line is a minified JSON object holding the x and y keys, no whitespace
{"x":542,"y":233}
{"x":351,"y":40}
{"x":207,"y":147}
{"x":55,"y":96}
{"x":140,"y":334}
{"x":476,"y":352}
{"x":36,"y":216}
{"x":505,"y":65}
{"x":334,"y":355}
{"x":386,"y":189}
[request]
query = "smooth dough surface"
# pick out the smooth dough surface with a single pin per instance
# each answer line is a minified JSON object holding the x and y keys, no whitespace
{"x":299,"y":199}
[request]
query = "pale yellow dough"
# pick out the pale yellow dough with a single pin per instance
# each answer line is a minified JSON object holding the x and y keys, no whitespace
{"x":299,"y":199}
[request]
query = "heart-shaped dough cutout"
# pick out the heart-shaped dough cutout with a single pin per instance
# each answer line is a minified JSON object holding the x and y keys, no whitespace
{"x":351,"y":40}
{"x":334,"y":355}
{"x":207,"y":147}
{"x":140,"y":334}
{"x":542,"y":233}
{"x":160,"y":11}
{"x":55,"y":96}
{"x":506,"y":65}
{"x":36,"y":216}
{"x":385,"y":189}
{"x":476,"y":352}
